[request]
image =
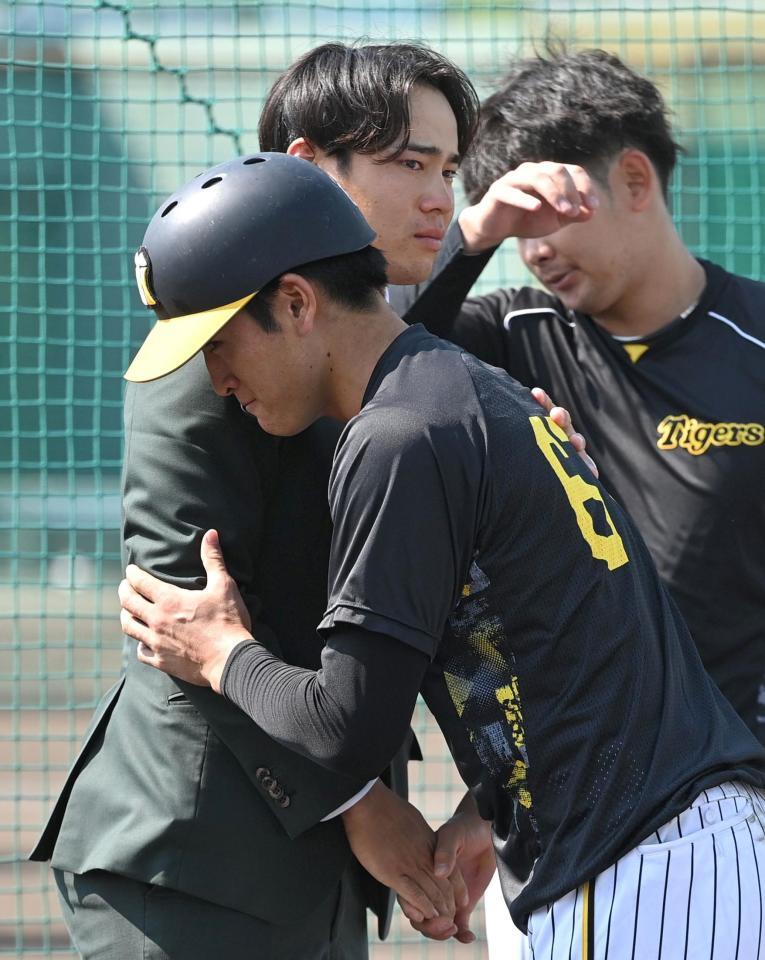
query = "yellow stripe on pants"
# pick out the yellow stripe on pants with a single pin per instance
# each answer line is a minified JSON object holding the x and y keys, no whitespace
{"x":588,"y":920}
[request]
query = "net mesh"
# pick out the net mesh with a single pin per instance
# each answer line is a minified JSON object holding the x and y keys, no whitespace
{"x":106,"y":107}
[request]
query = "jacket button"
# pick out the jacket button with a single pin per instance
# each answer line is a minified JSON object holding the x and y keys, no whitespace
{"x":276,"y":790}
{"x":262,"y":772}
{"x":268,"y":783}
{"x":284,"y":801}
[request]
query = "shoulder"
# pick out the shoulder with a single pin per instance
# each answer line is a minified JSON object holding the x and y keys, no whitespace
{"x":184,"y":402}
{"x":185,"y":391}
{"x":738,"y":303}
{"x":530,"y":304}
{"x":404,"y":431}
{"x":414,"y":432}
{"x":400,"y":468}
{"x":512,"y":307}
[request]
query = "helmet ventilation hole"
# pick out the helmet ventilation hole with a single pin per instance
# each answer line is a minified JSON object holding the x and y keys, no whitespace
{"x":250,"y":160}
{"x":211,"y":182}
{"x":169,"y":207}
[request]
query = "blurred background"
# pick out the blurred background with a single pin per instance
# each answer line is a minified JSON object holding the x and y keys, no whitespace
{"x":106,"y":107}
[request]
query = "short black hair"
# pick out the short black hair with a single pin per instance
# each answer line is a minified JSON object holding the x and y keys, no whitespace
{"x":581,"y":108}
{"x":355,"y":97}
{"x":352,"y":279}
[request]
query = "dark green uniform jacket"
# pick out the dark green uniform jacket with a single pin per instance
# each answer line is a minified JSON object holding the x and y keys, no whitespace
{"x":175,"y":786}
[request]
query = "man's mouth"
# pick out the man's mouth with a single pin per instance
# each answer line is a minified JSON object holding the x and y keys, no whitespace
{"x":431,"y":238}
{"x":558,"y":279}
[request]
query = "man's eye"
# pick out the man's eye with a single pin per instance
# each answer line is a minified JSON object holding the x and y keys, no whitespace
{"x":412,"y":164}
{"x":451,"y":174}
{"x":211,"y":346}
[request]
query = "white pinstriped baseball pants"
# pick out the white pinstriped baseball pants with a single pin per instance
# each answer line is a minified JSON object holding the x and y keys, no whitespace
{"x":694,"y":890}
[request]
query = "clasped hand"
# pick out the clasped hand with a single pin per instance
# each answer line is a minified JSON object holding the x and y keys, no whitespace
{"x":439,"y":877}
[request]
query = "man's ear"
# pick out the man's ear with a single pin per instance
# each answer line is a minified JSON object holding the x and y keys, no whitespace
{"x":638,"y":175}
{"x":297,"y":303}
{"x":302,"y":148}
{"x":306,"y":150}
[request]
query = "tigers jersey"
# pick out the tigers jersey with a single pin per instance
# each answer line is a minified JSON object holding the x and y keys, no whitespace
{"x":676,"y":423}
{"x":564,"y":680}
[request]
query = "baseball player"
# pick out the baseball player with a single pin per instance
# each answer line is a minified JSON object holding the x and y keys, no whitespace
{"x":473,"y":559}
{"x":658,"y":355}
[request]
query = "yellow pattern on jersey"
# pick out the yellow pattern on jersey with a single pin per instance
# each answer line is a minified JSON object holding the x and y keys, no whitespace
{"x":510,"y":701}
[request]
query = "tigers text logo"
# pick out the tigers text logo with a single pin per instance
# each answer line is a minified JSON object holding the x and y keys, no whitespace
{"x":695,"y":436}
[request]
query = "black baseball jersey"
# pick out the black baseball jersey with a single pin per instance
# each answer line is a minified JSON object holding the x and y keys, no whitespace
{"x":676,"y":423}
{"x":564,"y":680}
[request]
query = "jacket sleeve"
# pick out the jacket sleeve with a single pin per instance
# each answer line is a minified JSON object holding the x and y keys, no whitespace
{"x":194,"y":462}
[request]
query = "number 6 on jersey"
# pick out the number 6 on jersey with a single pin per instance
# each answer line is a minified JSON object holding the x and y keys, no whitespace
{"x":609,"y":547}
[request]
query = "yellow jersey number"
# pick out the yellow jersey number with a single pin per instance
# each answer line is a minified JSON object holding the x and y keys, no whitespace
{"x":609,"y":547}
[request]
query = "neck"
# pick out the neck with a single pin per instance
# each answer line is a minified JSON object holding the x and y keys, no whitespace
{"x":355,"y":343}
{"x":665,"y":283}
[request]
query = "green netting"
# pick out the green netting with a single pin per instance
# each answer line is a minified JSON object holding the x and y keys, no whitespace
{"x":105,"y":108}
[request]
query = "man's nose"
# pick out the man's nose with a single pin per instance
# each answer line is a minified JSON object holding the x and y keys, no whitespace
{"x":439,"y":195}
{"x":223,"y":381}
{"x":536,"y":250}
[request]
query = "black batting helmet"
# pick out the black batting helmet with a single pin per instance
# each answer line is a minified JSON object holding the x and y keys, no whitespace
{"x":218,"y":240}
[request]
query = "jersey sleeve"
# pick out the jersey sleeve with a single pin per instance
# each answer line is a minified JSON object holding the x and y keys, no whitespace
{"x":405,"y":498}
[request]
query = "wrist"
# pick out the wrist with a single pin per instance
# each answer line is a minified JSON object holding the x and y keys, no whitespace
{"x":363,"y":809}
{"x":214,"y":668}
{"x":467,"y":805}
{"x":350,"y":802}
{"x":467,"y":809}
{"x":474,"y":239}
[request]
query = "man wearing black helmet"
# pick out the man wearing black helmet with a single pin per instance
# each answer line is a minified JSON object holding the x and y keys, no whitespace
{"x":204,"y":799}
{"x":473,"y":559}
{"x":181,"y":820}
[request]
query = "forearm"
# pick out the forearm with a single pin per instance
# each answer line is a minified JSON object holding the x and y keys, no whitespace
{"x":350,"y":716}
